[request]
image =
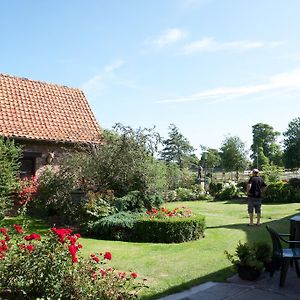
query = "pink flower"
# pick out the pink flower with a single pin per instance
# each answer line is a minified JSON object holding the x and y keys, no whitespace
{"x":122,"y":275}
{"x":103,"y":272}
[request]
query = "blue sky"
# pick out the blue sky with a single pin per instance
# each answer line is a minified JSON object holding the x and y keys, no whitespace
{"x":212,"y":67}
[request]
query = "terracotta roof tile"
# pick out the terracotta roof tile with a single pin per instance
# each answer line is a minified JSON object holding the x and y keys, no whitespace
{"x":42,"y":111}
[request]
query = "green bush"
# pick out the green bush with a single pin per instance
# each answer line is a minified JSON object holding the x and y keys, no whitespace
{"x":117,"y":226}
{"x":295,"y":182}
{"x":229,"y":191}
{"x":171,"y":230}
{"x":136,"y":201}
{"x":9,"y":170}
{"x":54,"y":196}
{"x":215,"y":187}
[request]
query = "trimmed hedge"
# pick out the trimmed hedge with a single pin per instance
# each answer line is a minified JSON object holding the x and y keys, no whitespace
{"x":171,"y":230}
{"x":282,"y":192}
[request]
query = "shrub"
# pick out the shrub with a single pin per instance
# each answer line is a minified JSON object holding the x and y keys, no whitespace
{"x":229,"y":191}
{"x":169,"y":230}
{"x":295,"y":182}
{"x":117,"y":226}
{"x":215,"y":188}
{"x":9,"y":170}
{"x":184,"y":194}
{"x":50,"y":267}
{"x":136,"y":201}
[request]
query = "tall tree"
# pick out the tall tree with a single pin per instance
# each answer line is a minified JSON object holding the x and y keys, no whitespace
{"x":265,"y":145}
{"x":233,"y":154}
{"x":292,"y":144}
{"x":176,"y":148}
{"x":210,"y":158}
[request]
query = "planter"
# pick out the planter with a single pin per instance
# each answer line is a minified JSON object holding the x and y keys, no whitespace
{"x":248,"y":273}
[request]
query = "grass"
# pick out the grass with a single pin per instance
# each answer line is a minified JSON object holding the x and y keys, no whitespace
{"x":170,"y":268}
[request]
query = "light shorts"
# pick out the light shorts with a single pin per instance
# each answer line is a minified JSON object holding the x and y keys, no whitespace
{"x":254,"y":204}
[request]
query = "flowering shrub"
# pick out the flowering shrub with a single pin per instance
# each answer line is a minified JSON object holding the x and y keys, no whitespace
{"x":163,"y":213}
{"x":50,"y":267}
{"x":26,"y":189}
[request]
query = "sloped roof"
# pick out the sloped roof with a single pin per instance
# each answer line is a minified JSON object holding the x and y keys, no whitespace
{"x":48,"y":112}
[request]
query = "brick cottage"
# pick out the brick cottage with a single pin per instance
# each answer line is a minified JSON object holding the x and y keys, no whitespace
{"x":48,"y":120}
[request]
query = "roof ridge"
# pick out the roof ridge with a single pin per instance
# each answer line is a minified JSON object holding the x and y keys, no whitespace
{"x":40,"y":81}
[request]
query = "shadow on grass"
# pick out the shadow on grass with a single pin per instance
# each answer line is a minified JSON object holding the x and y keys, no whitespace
{"x":220,"y":275}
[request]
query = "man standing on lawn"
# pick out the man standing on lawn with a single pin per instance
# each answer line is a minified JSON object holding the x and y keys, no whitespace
{"x":255,"y":187}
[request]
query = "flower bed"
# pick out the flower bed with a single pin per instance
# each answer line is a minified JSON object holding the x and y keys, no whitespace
{"x":51,"y":267}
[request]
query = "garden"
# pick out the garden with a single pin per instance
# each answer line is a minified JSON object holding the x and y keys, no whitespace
{"x":119,"y":222}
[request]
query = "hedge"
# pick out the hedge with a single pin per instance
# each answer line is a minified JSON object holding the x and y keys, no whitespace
{"x":171,"y":230}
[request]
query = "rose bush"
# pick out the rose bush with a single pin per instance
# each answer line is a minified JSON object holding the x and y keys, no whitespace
{"x":50,"y":266}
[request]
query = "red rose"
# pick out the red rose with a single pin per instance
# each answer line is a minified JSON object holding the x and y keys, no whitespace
{"x":3,"y":230}
{"x":18,"y":228}
{"x":33,"y":236}
{"x":30,"y":248}
{"x":107,"y":255}
{"x":134,"y":275}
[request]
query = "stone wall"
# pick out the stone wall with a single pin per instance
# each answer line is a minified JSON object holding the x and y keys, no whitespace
{"x":46,"y":154}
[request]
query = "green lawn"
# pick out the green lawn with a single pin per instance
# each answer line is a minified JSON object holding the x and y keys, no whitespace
{"x":173,"y":267}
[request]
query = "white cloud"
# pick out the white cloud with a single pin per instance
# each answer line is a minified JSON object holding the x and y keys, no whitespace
{"x":283,"y":82}
{"x":167,"y":37}
{"x":96,"y":84}
{"x":209,"y":44}
{"x":114,"y":66}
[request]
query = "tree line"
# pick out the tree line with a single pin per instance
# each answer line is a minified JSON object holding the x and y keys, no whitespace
{"x":265,"y":150}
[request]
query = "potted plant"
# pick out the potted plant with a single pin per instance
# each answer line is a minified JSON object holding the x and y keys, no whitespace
{"x":245,"y":261}
{"x":263,"y":252}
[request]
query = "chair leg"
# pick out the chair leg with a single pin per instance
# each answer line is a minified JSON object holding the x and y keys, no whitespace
{"x":283,"y":271}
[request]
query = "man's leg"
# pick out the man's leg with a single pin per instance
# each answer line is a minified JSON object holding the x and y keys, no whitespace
{"x":251,"y":218}
{"x":250,"y":211}
{"x":258,"y":219}
{"x":257,"y":211}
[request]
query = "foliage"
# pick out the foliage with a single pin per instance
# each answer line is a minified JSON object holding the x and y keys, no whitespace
{"x":272,"y":173}
{"x":169,"y":230}
{"x":229,"y":191}
{"x":282,"y":192}
{"x":54,"y":195}
{"x":295,"y":182}
{"x":292,"y":144}
{"x":50,"y":267}
{"x":264,"y":145}
{"x":117,"y":226}
{"x":135,"y":201}
{"x":210,"y":158}
{"x":233,"y":154}
{"x":10,"y":155}
{"x":246,"y":254}
{"x":125,"y":162}
{"x":215,"y":187}
{"x":176,"y":148}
